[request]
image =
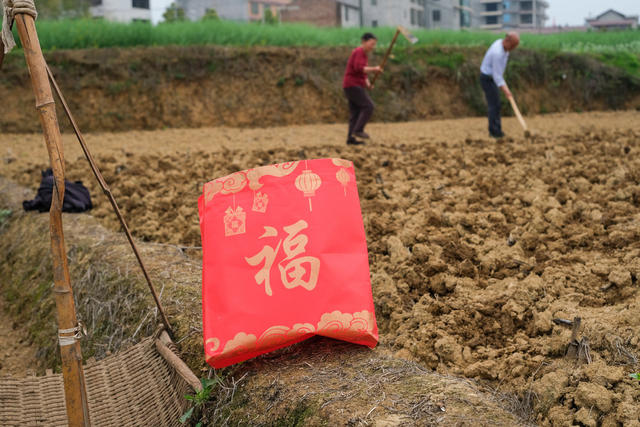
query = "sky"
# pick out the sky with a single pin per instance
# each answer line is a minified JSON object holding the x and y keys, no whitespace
{"x":574,"y":12}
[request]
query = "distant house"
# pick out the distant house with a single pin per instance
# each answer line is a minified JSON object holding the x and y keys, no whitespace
{"x":121,"y":10}
{"x":450,"y":14}
{"x":234,"y":10}
{"x":613,"y":20}
{"x":341,"y":13}
{"x":129,"y":10}
{"x":505,"y":15}
{"x":349,"y":13}
{"x":323,"y":13}
{"x":258,"y":8}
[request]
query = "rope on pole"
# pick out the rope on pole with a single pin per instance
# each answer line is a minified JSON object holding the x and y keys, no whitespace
{"x":11,"y":9}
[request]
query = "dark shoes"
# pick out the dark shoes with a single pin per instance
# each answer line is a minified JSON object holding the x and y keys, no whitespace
{"x":351,"y":140}
{"x":497,"y":135}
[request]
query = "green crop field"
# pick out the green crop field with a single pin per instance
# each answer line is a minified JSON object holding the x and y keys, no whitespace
{"x":621,"y":49}
{"x":77,"y":34}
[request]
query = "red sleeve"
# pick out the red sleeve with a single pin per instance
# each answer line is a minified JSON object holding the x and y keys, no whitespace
{"x":360,"y":60}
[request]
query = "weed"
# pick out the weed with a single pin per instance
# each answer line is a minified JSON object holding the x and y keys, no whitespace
{"x":199,"y":399}
{"x":117,"y":88}
{"x":296,"y":417}
{"x":625,"y":60}
{"x":5,"y":214}
{"x":446,"y":60}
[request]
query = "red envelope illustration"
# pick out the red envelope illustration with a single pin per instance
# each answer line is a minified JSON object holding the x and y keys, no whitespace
{"x":284,"y":258}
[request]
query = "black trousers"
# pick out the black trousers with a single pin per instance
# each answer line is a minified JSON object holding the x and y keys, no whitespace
{"x":360,"y":108}
{"x":492,"y":94}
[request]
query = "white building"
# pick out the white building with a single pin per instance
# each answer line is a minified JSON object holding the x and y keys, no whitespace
{"x":511,"y":14}
{"x":129,"y":10}
{"x":408,"y":13}
{"x":349,"y":14}
{"x":435,"y":14}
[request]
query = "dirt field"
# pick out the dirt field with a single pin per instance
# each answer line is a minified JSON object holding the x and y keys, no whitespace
{"x":475,"y":245}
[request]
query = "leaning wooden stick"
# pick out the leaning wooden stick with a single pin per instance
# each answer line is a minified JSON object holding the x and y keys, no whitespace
{"x":400,"y":30}
{"x":68,"y":327}
{"x":107,"y":191}
{"x":519,"y":116}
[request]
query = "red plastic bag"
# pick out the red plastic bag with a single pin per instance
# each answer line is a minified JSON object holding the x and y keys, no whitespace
{"x":284,"y":258}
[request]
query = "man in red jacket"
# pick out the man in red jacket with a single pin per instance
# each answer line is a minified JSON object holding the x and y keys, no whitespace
{"x":355,"y":84}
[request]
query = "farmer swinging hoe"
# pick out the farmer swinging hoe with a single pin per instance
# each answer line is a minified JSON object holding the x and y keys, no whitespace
{"x":148,"y":380}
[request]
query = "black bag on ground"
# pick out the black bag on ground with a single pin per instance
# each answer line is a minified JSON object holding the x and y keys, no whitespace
{"x":76,"y":196}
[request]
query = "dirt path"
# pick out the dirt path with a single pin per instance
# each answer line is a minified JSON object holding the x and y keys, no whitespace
{"x":17,"y":356}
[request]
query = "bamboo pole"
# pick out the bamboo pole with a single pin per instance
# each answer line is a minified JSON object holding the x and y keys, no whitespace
{"x":73,"y":375}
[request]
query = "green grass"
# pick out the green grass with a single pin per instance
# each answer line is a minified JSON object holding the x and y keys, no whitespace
{"x":627,"y":61}
{"x":79,"y":34}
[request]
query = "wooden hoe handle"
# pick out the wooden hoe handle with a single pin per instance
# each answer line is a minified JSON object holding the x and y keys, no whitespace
{"x":386,"y":57}
{"x":518,"y":115}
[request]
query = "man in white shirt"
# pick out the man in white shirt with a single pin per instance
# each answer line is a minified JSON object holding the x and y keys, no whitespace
{"x":491,"y":78}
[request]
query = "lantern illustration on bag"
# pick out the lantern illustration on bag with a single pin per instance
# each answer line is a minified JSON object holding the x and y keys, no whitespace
{"x":343,"y":178}
{"x":308,"y":182}
{"x":234,"y":221}
{"x":260,"y":202}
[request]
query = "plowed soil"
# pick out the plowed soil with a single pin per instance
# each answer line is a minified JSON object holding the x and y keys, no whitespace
{"x":476,"y":245}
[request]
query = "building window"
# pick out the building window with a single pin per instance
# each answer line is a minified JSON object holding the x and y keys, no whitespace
{"x":255,"y":8}
{"x":420,"y":18}
{"x":436,"y":16}
{"x":491,"y":7}
{"x":526,"y":5}
{"x":465,"y":3}
{"x":374,"y":23}
{"x":465,"y":19}
{"x":491,"y":20}
{"x":526,"y":19}
{"x":140,"y":4}
{"x":374,"y":2}
{"x":506,"y":18}
{"x":506,"y":5}
{"x":413,"y":17}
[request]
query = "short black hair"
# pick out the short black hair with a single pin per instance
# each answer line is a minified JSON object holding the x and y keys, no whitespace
{"x":368,"y":36}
